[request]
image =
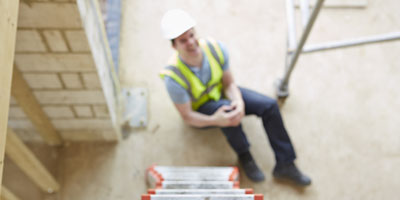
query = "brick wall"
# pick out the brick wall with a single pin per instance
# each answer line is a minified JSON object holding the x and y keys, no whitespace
{"x":55,"y":57}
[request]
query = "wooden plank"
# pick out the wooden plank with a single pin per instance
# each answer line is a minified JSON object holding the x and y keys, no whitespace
{"x":7,"y":194}
{"x":96,"y":34}
{"x":8,"y":27}
{"x":30,"y":105}
{"x":19,"y":153}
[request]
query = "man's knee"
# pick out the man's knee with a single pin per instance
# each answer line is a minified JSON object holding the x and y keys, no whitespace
{"x":270,"y":106}
{"x":269,"y":102}
{"x":274,"y":104}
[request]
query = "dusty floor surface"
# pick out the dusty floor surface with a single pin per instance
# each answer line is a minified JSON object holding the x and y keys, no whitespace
{"x":342,"y":113}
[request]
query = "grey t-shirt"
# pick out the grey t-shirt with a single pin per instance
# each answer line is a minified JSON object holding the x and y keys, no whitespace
{"x":178,"y":94}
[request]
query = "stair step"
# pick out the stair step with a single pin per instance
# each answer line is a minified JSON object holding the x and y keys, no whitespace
{"x":203,"y":197}
{"x":200,"y":191}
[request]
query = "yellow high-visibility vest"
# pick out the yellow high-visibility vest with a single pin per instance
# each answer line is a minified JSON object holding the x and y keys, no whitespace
{"x":198,"y":92}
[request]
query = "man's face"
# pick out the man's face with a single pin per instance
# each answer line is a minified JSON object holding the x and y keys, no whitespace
{"x":187,"y":44}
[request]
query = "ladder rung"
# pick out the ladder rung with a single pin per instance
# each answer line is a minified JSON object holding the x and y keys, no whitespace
{"x":160,"y":173}
{"x":162,"y":169}
{"x":203,"y":197}
{"x":199,"y":176}
{"x":201,"y":191}
{"x":197,"y":185}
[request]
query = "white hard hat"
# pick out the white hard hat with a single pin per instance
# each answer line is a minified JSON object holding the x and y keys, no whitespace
{"x":175,"y":22}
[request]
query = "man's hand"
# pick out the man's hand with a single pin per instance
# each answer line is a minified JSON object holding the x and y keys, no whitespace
{"x":232,"y":93}
{"x":238,"y":107}
{"x":231,"y":115}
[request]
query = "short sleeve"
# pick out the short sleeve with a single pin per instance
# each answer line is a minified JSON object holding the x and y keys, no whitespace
{"x":177,"y":93}
{"x":225,"y":66}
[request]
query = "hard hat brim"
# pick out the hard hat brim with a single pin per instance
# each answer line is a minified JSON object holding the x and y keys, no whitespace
{"x":178,"y":32}
{"x":175,"y":23}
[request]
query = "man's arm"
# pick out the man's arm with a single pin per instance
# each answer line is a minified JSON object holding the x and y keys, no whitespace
{"x":233,"y":93}
{"x":221,"y":117}
{"x":225,"y":116}
{"x":183,"y":104}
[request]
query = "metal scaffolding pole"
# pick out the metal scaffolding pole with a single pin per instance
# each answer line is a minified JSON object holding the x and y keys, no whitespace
{"x":305,"y":11}
{"x":282,"y":84}
{"x":291,"y":30}
{"x":291,"y":24}
{"x":354,"y":42}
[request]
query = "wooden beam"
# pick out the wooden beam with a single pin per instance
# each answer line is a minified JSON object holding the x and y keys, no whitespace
{"x":7,"y":195}
{"x":27,"y":101}
{"x":19,"y":153}
{"x":8,"y":31}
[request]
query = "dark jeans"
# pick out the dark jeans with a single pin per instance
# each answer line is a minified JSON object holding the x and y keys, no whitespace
{"x":266,"y":108}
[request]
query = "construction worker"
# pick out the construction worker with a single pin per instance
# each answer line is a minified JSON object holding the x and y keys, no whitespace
{"x":203,"y":90}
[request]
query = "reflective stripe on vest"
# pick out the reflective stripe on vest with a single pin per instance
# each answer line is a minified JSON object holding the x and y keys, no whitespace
{"x":199,"y":93}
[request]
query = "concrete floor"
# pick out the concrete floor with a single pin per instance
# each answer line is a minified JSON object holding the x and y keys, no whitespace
{"x":341,"y":113}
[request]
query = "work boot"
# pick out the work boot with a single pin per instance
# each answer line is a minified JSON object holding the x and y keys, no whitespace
{"x":290,"y":172}
{"x":250,"y":167}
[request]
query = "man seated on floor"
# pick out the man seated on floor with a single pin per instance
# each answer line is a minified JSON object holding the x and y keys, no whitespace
{"x":203,"y":90}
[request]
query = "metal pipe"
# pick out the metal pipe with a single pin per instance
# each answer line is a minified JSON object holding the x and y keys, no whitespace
{"x":305,"y":11}
{"x":284,"y":82}
{"x":354,"y":4}
{"x":350,"y":43}
{"x":291,"y":24}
